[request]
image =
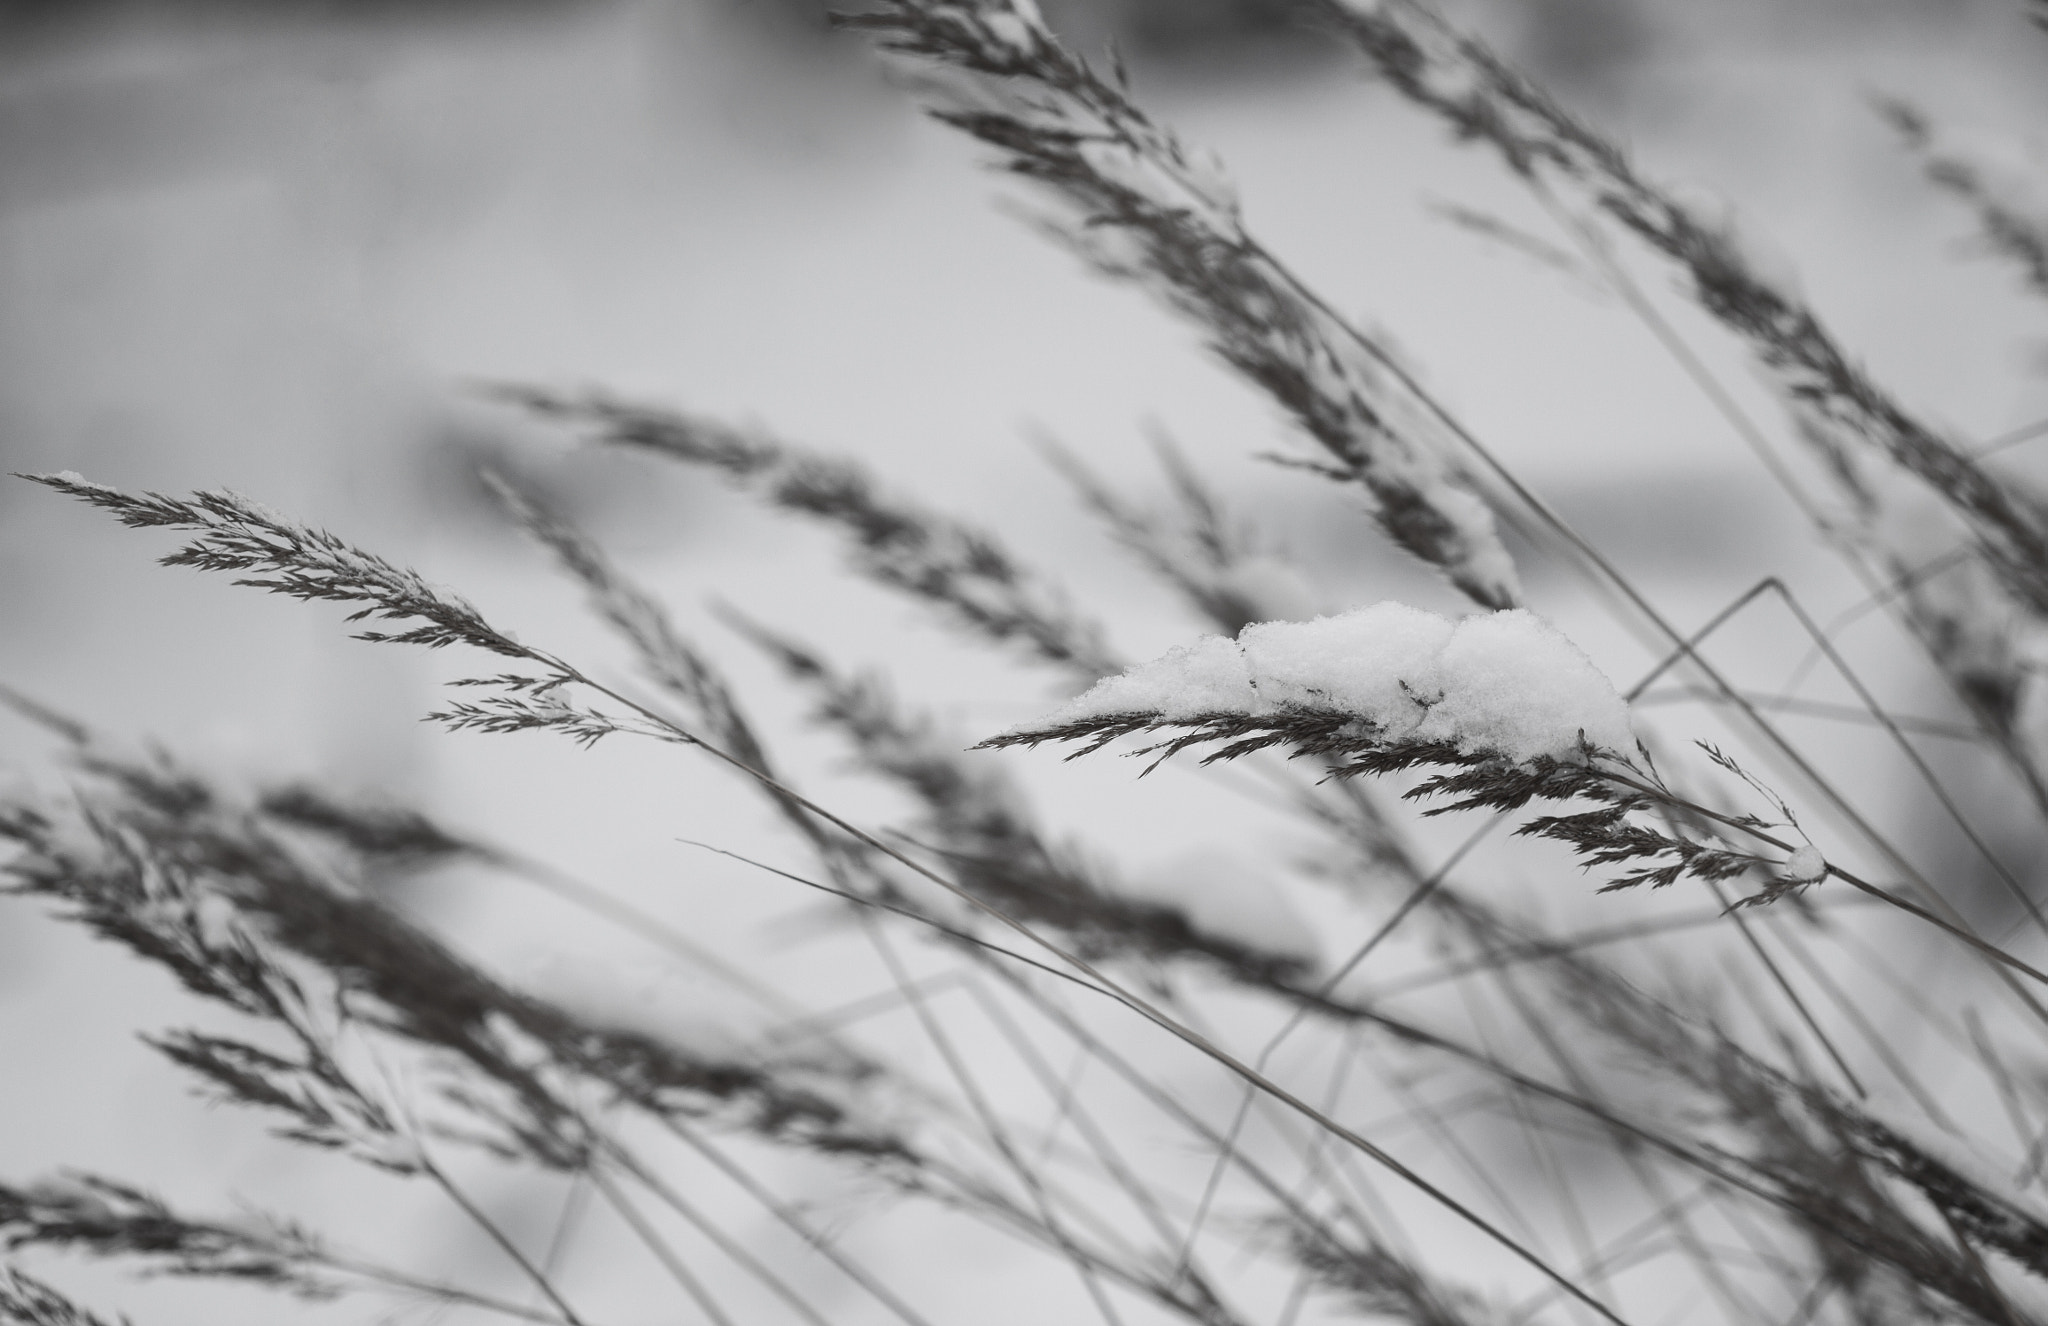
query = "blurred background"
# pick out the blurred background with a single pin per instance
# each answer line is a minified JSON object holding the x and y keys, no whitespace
{"x":282,"y":246}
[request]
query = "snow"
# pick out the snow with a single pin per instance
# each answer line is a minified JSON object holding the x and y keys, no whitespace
{"x":1355,"y":661}
{"x":1503,"y":683}
{"x":1806,"y":865}
{"x":1206,"y":677}
{"x":1513,"y":683}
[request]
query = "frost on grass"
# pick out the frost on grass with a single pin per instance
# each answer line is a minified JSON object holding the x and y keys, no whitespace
{"x":1506,"y":685}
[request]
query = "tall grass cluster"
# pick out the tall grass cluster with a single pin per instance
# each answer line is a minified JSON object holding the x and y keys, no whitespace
{"x":1794,"y":1071}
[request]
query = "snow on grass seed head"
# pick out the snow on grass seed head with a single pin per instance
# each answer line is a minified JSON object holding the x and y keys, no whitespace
{"x":1501,"y":683}
{"x":1206,"y":677}
{"x":1512,"y":683}
{"x":1363,"y":662}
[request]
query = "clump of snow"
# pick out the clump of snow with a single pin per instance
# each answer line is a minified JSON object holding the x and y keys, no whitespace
{"x":1504,"y":683}
{"x":1206,"y":677}
{"x":1805,"y":866}
{"x":1511,"y":682}
{"x":1360,"y":662}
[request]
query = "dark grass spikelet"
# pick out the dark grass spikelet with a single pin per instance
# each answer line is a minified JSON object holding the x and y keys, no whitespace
{"x":1142,"y":208}
{"x":962,"y":571}
{"x":26,"y":1301}
{"x":236,"y":534}
{"x":535,"y":704}
{"x":241,"y":925}
{"x":284,"y":557}
{"x":100,"y":1217}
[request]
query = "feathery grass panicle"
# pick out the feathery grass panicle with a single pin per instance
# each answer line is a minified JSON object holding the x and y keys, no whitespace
{"x":962,"y":571}
{"x":1376,"y":680}
{"x":1139,"y":206}
{"x":535,"y":704}
{"x":241,"y":919}
{"x":285,"y":557}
